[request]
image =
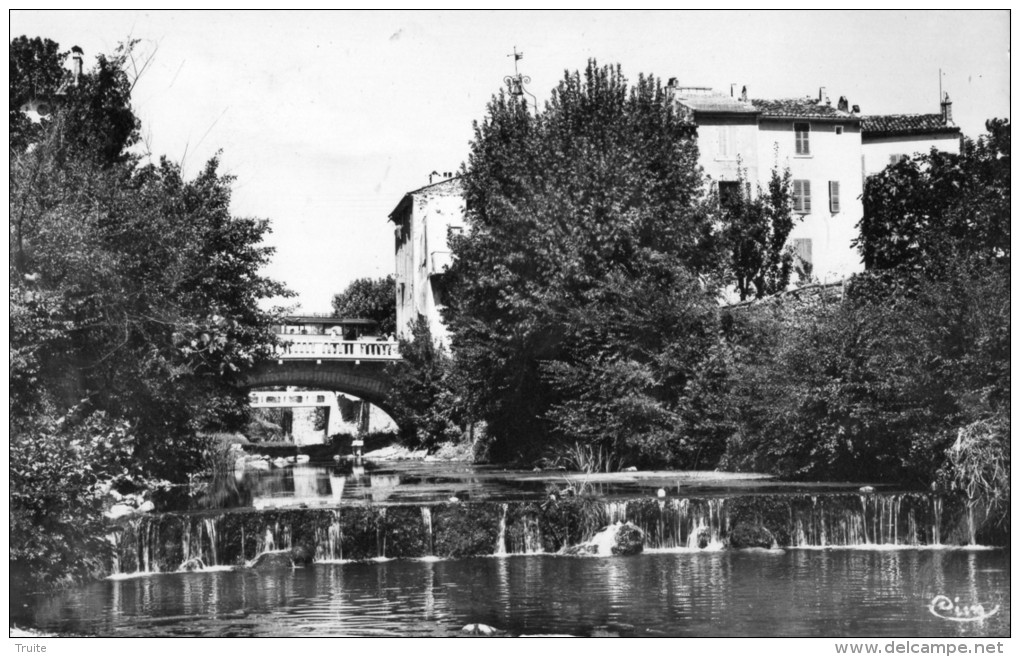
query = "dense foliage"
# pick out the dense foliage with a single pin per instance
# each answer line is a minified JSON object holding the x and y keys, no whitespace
{"x":134,"y":306}
{"x":755,"y":234}
{"x":422,"y":398}
{"x":367,"y":298}
{"x":907,"y":377}
{"x":937,"y":207}
{"x":586,"y":270}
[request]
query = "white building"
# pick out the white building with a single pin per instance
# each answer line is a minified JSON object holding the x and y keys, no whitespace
{"x":424,"y":220}
{"x":827,"y":148}
{"x":819,"y":143}
{"x":889,"y":137}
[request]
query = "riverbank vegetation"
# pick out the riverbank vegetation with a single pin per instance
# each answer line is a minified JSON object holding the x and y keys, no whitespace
{"x":134,"y":299}
{"x":586,"y":324}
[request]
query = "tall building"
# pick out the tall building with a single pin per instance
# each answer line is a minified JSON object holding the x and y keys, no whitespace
{"x":828,"y":149}
{"x":741,"y":139}
{"x":423,"y":220}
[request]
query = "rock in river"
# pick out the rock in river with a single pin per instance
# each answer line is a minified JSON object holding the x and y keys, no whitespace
{"x":619,"y":538}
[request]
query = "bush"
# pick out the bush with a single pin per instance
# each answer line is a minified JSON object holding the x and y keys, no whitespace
{"x":61,"y":471}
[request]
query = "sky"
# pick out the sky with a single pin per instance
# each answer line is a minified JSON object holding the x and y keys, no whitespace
{"x":327,"y":119}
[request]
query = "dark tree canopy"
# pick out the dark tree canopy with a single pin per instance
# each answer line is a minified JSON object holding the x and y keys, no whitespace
{"x":368,"y":298}
{"x":134,"y":306}
{"x":596,"y":199}
{"x":922,"y":211}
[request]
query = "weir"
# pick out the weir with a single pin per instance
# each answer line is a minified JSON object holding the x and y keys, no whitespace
{"x":163,"y":543}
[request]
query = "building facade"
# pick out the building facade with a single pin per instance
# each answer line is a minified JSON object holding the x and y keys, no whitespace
{"x":742,"y":141}
{"x":886,"y":138}
{"x":424,"y":220}
{"x":828,"y":149}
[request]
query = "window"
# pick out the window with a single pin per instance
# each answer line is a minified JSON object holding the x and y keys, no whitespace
{"x":802,"y":249}
{"x":729,"y":193}
{"x":896,"y":158}
{"x":802,"y":196}
{"x":839,"y":130}
{"x":802,"y":130}
{"x":725,"y":142}
{"x":833,"y":196}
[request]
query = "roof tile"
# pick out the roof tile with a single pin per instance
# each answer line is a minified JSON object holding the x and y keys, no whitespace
{"x":887,"y":125}
{"x":807,"y":108}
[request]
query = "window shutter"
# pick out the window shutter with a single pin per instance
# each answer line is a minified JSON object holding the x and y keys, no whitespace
{"x":833,"y":196}
{"x":802,"y":247}
{"x":802,"y":196}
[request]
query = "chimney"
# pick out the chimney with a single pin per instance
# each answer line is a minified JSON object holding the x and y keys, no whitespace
{"x":76,"y":55}
{"x":856,"y":110}
{"x":743,"y":94}
{"x":947,"y":111}
{"x":843,"y":105}
{"x":823,"y":98}
{"x":733,"y":89}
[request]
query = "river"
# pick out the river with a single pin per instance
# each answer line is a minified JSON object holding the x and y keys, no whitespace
{"x":426,"y":549}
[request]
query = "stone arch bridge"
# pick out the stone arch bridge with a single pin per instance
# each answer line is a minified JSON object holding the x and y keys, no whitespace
{"x":324,"y":362}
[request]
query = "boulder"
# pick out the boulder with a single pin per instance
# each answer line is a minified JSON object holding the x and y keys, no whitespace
{"x":302,"y":555}
{"x":479,"y":629}
{"x":272,"y":560}
{"x":191,"y":565}
{"x":704,"y":537}
{"x":747,"y":535}
{"x":619,"y":539}
{"x":119,"y":511}
{"x":629,"y":540}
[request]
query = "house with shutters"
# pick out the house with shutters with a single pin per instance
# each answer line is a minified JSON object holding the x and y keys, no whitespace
{"x":828,"y":149}
{"x":820,"y":143}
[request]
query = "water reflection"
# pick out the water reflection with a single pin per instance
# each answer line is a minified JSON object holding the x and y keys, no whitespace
{"x":735,"y":593}
{"x":319,"y":484}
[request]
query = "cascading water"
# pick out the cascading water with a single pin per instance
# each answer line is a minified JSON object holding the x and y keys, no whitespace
{"x":500,"y":550}
{"x":168,"y":542}
{"x":329,"y":540}
{"x":426,"y":521}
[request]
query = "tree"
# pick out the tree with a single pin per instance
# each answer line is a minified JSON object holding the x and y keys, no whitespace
{"x":603,"y":185}
{"x":134,"y":300}
{"x":366,"y":298}
{"x":940,"y":206}
{"x":422,"y":397}
{"x":755,"y":233}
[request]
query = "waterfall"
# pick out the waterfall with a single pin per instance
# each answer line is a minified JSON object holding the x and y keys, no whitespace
{"x":426,"y":521}
{"x":500,"y":550}
{"x":936,"y":531}
{"x":166,"y":542}
{"x":380,"y":537}
{"x":533,"y":537}
{"x":210,"y":531}
{"x":328,"y":540}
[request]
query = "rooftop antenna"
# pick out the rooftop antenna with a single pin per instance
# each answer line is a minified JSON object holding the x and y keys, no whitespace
{"x":517,"y":81}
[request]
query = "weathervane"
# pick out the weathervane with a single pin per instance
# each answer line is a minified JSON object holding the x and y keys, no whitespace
{"x":517,"y":81}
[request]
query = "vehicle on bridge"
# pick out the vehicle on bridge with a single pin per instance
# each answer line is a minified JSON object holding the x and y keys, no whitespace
{"x":334,"y":338}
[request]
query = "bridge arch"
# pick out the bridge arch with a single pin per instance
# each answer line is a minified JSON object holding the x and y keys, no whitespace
{"x":366,"y":380}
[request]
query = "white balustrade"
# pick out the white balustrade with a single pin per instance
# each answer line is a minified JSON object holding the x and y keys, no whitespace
{"x":325,"y":347}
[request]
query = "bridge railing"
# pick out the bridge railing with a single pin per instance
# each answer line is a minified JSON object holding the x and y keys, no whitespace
{"x":293,"y":346}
